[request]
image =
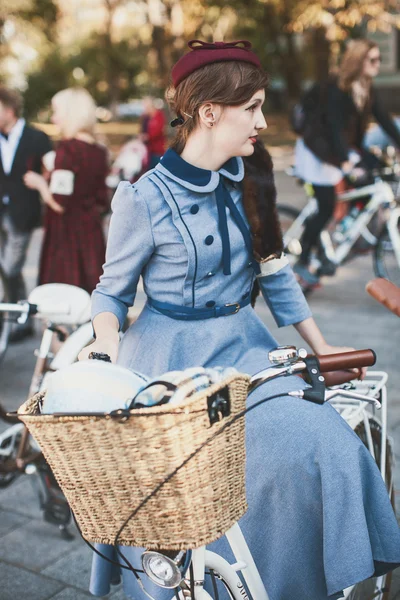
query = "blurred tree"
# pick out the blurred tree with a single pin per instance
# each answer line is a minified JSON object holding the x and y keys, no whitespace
{"x":267,"y":23}
{"x":51,"y":75}
{"x":109,"y":68}
{"x":333,"y":21}
{"x":109,"y":54}
{"x":32,"y":22}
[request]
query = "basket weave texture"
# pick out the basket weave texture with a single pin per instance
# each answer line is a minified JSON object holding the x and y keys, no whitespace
{"x":106,"y":467}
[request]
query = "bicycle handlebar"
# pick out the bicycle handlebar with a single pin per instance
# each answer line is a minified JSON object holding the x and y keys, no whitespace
{"x":43,"y":309}
{"x":335,"y":366}
{"x":347,"y":360}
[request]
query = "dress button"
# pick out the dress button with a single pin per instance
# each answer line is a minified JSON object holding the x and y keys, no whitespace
{"x":249,"y":265}
{"x":210,"y":303}
{"x":209,"y":240}
{"x":210,"y":274}
{"x":194,"y":209}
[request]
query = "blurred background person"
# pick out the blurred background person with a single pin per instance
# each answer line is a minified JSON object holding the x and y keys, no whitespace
{"x":21,"y":149}
{"x":332,"y":143}
{"x":152,"y":131}
{"x":73,"y":248}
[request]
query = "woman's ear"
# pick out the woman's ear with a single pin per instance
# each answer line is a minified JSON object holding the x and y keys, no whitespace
{"x":209,"y":114}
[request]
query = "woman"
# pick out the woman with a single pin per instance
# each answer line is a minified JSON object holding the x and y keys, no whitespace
{"x":73,"y":247}
{"x":332,"y":142}
{"x":185,"y":227}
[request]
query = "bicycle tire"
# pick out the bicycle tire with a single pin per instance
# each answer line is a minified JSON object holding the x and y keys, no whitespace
{"x":5,"y":323}
{"x":385,"y":264}
{"x":368,"y":590}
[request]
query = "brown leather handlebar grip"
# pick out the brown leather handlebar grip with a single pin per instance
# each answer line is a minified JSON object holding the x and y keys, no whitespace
{"x":340,"y":377}
{"x":347,"y":360}
{"x":386,"y":293}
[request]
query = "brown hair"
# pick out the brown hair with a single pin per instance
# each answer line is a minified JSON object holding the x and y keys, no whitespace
{"x":352,"y":62}
{"x":230,"y":83}
{"x":11,"y":99}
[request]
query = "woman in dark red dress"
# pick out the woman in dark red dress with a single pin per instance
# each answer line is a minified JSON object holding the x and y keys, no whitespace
{"x":73,"y":248}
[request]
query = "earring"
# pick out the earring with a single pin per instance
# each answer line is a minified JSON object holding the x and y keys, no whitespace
{"x":211,"y":124}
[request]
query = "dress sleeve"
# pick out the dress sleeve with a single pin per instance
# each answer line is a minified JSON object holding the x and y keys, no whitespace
{"x":282,"y":293}
{"x":129,"y":248}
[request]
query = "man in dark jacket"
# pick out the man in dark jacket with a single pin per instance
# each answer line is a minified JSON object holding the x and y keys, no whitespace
{"x":21,"y":149}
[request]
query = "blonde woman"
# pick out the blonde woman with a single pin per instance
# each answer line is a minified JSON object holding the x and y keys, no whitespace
{"x":332,"y":141}
{"x":73,"y":247}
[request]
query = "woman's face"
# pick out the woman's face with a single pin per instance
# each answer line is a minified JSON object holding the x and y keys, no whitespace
{"x":237,"y":127}
{"x":372,"y":63}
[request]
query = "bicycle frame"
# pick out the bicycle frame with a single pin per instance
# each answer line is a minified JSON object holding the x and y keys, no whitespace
{"x":381,"y":195}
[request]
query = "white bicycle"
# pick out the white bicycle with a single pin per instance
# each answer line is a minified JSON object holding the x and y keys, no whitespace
{"x":358,"y":403}
{"x":372,"y":222}
{"x":57,"y":306}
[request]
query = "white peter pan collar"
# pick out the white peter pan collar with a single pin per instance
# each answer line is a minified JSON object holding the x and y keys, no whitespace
{"x":195,"y":179}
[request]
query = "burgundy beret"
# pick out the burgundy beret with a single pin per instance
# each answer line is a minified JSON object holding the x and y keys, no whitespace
{"x":204,"y":53}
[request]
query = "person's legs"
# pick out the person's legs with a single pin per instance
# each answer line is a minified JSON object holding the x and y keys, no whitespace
{"x":326,"y":198}
{"x":13,"y":255}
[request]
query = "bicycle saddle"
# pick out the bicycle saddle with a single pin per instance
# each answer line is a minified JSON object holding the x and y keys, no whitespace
{"x":63,"y":304}
{"x":386,"y":293}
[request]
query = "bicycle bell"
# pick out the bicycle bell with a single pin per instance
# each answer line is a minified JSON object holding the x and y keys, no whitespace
{"x":286,"y":355}
{"x":164,"y":570}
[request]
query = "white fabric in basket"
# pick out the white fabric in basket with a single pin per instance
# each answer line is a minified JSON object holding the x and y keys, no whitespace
{"x":91,"y":386}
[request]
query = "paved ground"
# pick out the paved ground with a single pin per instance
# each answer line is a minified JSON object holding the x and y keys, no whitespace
{"x":35,"y":564}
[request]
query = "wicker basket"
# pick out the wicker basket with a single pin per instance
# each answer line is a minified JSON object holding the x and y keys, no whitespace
{"x":107,"y":466}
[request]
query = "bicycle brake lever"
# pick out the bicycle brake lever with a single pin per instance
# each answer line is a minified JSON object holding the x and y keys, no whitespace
{"x":313,"y":376}
{"x":330,"y":394}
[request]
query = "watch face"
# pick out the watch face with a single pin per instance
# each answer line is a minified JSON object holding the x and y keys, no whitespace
{"x":284,"y":354}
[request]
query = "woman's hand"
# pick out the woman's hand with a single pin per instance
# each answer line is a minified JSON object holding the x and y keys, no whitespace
{"x":104,"y":345}
{"x":35,"y":181}
{"x":55,"y":206}
{"x":328,"y":349}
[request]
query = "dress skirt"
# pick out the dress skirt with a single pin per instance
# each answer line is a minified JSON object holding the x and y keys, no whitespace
{"x":319,"y":517}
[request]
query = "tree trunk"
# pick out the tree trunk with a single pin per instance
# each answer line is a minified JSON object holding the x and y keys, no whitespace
{"x":292,"y":67}
{"x":321,"y":47}
{"x":289,"y":66}
{"x":112,"y":75}
{"x":160,"y":45}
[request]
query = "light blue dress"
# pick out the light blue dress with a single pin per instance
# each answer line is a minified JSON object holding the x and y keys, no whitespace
{"x":319,"y":517}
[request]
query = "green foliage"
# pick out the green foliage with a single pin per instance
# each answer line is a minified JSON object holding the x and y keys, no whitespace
{"x":110,"y":68}
{"x":109,"y":73}
{"x":42,"y":15}
{"x":52,"y":75}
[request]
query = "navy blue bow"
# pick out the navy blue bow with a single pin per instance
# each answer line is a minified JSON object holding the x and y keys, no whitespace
{"x":4,"y":135}
{"x":224,"y":201}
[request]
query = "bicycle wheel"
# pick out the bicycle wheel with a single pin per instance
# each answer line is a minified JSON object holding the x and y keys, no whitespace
{"x":376,"y":588}
{"x":5,"y":324}
{"x":292,"y":230}
{"x":385,"y":262}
